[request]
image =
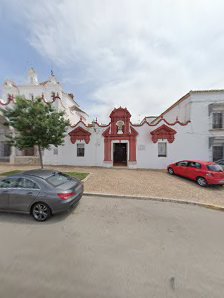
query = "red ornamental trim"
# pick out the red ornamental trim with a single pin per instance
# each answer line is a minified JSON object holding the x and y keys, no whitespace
{"x":78,"y":123}
{"x":133,"y":132}
{"x":163,"y":132}
{"x":80,"y":134}
{"x":9,"y":99}
{"x":90,"y":125}
{"x":53,"y":96}
{"x":123,"y":115}
{"x":111,"y":133}
{"x":102,"y":125}
{"x":164,"y":120}
{"x":108,"y":138}
{"x":106,"y":132}
{"x":120,"y":112}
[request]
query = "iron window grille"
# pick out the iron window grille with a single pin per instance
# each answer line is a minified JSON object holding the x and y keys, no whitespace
{"x":162,"y":149}
{"x":80,"y":150}
{"x":217,"y":153}
{"x":217,"y":120}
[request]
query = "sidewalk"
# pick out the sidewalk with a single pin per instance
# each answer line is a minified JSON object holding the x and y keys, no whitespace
{"x":141,"y":183}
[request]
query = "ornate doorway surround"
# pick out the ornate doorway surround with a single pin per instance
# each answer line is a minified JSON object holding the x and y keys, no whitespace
{"x":120,"y":154}
{"x":120,"y":130}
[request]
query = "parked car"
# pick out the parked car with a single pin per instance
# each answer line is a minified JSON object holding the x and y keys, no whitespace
{"x":220,"y":162}
{"x":40,"y":193}
{"x":204,"y":173}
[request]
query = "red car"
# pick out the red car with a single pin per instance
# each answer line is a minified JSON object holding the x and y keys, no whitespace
{"x":203,"y":172}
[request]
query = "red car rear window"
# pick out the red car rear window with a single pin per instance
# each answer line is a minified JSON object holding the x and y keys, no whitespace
{"x":215,"y":168}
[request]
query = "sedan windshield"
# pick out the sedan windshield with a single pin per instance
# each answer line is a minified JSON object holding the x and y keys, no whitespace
{"x":215,"y":168}
{"x":58,"y":179}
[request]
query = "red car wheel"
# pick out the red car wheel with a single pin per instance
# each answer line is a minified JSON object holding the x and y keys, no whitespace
{"x":170,"y":171}
{"x":202,"y":181}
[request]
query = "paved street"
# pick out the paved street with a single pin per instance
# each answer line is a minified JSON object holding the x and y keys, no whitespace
{"x":109,"y":247}
{"x":148,"y":183}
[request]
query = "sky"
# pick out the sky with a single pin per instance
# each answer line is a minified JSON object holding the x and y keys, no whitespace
{"x":139,"y":54}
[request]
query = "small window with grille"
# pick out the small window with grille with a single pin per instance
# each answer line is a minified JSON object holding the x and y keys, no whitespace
{"x":162,"y":149}
{"x":217,"y":120}
{"x":218,"y":153}
{"x":55,"y":151}
{"x":80,"y":150}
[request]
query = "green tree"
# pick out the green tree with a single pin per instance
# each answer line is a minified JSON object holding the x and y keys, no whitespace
{"x":36,"y":124}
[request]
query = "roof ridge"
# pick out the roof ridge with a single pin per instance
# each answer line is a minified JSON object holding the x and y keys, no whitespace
{"x":172,"y":106}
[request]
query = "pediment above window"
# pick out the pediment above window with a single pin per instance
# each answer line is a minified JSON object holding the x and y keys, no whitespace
{"x":163,"y":132}
{"x":79,"y":134}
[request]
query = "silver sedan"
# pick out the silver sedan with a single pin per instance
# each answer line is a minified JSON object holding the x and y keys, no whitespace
{"x":40,"y":193}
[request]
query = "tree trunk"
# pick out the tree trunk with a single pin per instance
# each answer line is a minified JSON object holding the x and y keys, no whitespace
{"x":41,"y":159}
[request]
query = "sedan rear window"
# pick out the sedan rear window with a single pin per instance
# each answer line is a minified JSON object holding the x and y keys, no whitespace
{"x":215,"y":168}
{"x":58,"y":179}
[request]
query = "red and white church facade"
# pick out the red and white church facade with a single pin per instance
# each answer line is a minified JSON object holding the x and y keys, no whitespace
{"x":192,"y":128}
{"x":121,"y":143}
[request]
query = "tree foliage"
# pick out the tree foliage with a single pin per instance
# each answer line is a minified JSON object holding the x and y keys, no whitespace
{"x":36,"y":124}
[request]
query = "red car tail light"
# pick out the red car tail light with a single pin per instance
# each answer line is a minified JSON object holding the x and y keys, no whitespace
{"x":66,"y":196}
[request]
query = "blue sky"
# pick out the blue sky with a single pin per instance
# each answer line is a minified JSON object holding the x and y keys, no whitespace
{"x":139,"y":54}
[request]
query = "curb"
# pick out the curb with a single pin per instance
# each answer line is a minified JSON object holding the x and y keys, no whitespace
{"x":157,"y":199}
{"x":87,"y":177}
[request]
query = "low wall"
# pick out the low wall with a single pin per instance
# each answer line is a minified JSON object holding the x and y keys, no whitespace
{"x":27,"y":160}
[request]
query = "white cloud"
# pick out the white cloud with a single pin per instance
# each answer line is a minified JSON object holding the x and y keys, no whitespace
{"x":140,"y":54}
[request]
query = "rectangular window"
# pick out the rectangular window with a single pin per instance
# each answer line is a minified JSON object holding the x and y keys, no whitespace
{"x":55,"y":151}
{"x":217,"y":120}
{"x":28,"y":151}
{"x":6,"y":149}
{"x":217,"y":153}
{"x":215,"y":168}
{"x":182,"y":164}
{"x":195,"y":165}
{"x":80,"y":149}
{"x":162,"y":150}
{"x":27,"y":183}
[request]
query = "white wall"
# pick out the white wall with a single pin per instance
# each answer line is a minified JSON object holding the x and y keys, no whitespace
{"x":67,"y":154}
{"x":46,"y":89}
{"x":191,"y":141}
{"x":185,"y":146}
{"x":181,"y":110}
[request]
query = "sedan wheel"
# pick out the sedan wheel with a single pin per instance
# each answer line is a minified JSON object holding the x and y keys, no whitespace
{"x":202,"y":182}
{"x":40,"y":212}
{"x":170,"y":171}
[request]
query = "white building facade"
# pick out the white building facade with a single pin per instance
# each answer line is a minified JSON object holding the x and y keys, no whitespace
{"x":50,"y":91}
{"x":192,"y":128}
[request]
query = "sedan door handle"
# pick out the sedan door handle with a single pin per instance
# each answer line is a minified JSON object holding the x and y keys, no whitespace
{"x":29,"y":193}
{"x":5,"y":191}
